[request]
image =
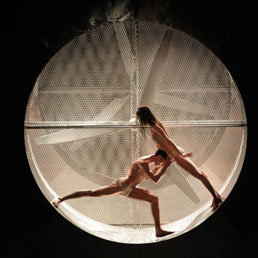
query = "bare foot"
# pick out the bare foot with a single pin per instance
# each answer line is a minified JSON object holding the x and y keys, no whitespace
{"x":161,"y":233}
{"x":57,"y":202}
{"x":217,"y":202}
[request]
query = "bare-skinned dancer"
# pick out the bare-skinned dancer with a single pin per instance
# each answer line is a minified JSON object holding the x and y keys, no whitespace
{"x":163,"y":142}
{"x":127,"y":186}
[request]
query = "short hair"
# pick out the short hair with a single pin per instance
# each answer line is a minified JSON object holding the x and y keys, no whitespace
{"x":162,"y":153}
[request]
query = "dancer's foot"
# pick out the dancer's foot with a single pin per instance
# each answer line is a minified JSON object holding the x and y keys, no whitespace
{"x":217,"y":202}
{"x":57,"y":202}
{"x":162,"y":233}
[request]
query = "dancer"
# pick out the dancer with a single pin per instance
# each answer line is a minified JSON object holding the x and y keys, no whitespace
{"x":126,"y":186}
{"x":163,"y":142}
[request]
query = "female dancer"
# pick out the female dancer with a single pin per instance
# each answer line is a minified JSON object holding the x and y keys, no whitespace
{"x":163,"y":142}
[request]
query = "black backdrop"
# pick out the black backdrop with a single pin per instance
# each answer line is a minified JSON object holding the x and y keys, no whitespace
{"x":30,"y":225}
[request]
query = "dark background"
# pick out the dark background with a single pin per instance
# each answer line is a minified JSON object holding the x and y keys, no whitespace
{"x":30,"y":226}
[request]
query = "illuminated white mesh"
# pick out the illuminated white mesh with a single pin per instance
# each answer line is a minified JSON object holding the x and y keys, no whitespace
{"x":93,"y":87}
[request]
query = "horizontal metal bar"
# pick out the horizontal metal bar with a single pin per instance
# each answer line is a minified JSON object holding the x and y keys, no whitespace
{"x":75,"y":90}
{"x":81,"y":90}
{"x":71,"y":125}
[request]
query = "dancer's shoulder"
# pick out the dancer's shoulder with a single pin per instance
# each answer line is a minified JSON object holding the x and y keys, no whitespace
{"x":141,"y":163}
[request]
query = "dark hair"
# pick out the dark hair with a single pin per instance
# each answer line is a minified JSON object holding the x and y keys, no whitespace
{"x":146,"y":116}
{"x":162,"y":153}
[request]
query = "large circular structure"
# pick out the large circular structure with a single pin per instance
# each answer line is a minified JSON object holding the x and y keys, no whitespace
{"x":80,"y":130}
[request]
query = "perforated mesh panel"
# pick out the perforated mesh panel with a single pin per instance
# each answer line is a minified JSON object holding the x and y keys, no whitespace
{"x":98,"y":79}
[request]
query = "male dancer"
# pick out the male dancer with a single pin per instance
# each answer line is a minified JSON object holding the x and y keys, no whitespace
{"x":126,"y":186}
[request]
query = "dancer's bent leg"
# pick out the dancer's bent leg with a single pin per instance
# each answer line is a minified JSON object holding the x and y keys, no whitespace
{"x":144,"y":195}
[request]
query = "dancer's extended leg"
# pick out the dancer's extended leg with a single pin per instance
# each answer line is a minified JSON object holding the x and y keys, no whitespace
{"x":107,"y":190}
{"x":144,"y":195}
{"x":190,"y":167}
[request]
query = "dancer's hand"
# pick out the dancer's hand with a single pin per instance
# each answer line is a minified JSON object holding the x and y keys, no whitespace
{"x":190,"y":154}
{"x":167,"y":162}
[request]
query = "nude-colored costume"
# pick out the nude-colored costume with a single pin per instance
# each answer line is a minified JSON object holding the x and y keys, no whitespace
{"x":125,"y":189}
